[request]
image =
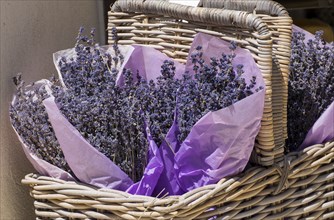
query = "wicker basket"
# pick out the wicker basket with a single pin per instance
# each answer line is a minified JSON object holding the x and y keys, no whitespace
{"x":302,"y":189}
{"x":299,"y":186}
{"x":280,"y":25}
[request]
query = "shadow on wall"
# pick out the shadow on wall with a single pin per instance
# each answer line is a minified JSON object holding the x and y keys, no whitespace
{"x":30,"y":32}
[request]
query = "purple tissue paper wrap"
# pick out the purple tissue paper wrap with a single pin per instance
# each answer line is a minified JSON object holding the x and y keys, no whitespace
{"x":214,"y":47}
{"x":219,"y":144}
{"x":168,"y":183}
{"x":322,"y":130}
{"x":152,"y":171}
{"x":147,"y":62}
{"x":87,"y":163}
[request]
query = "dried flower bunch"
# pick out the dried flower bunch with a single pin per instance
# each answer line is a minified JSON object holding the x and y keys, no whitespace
{"x":105,"y":114}
{"x":30,"y":120}
{"x":115,"y":119}
{"x":311,"y":84}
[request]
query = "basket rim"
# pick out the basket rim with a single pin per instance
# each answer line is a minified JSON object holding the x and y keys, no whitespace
{"x":256,"y":186}
{"x":264,"y":6}
{"x":205,"y":15}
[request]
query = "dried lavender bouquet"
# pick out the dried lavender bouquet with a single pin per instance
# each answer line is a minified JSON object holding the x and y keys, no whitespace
{"x":30,"y":120}
{"x":116,"y":120}
{"x":105,"y":114}
{"x":311,"y":84}
{"x":112,"y":117}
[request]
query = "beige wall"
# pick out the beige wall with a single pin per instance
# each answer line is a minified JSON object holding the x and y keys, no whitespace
{"x":30,"y":32}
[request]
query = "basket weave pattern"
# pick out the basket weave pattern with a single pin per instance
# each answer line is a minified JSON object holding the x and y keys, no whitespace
{"x":302,"y":188}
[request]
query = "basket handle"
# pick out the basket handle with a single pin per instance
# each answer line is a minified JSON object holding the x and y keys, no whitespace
{"x":205,"y":15}
{"x":262,"y":6}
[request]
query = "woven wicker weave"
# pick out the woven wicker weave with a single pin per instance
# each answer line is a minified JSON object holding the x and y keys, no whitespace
{"x":280,"y":25}
{"x":303,"y":188}
{"x":299,"y":186}
{"x":171,"y":29}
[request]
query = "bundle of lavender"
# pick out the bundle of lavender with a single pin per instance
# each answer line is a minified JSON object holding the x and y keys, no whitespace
{"x":32,"y":126}
{"x":120,"y":120}
{"x":311,"y":90}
